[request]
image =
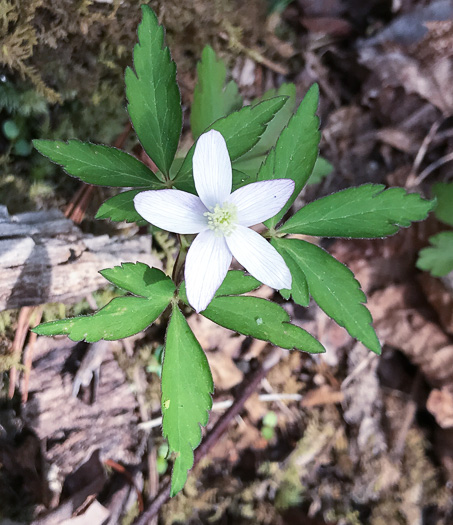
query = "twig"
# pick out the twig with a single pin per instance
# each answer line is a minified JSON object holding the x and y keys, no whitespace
{"x":23,"y":321}
{"x":230,"y":37}
{"x":28,"y":355}
{"x":268,"y":388}
{"x":425,"y":145}
{"x":75,"y":199}
{"x":214,"y":435}
{"x":428,"y":170}
{"x":122,"y":470}
{"x":358,"y":369}
{"x":153,"y":475}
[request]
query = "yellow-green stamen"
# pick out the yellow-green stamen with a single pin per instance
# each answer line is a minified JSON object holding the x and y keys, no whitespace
{"x":223,"y":218}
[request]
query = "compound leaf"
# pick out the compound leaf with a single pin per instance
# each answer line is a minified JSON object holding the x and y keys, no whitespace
{"x":367,"y":211}
{"x":123,"y":316}
{"x":120,"y":318}
{"x":153,"y":94}
{"x":211,"y":98}
{"x":187,"y":183}
{"x":437,"y":258}
{"x":250,"y":162}
{"x":299,"y":289}
{"x":333,"y":286}
{"x":261,"y":319}
{"x":98,"y":164}
{"x":186,"y":395}
{"x":295,"y":153}
{"x":121,"y":208}
{"x":141,"y":280}
{"x":241,"y":131}
{"x":235,"y":283}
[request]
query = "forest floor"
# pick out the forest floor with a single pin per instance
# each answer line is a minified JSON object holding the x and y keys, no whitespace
{"x":341,"y":438}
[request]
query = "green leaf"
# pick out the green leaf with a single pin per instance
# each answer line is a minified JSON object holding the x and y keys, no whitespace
{"x":188,"y":184}
{"x":443,"y":191}
{"x":121,"y":208}
{"x":296,"y":150}
{"x":211,"y":98}
{"x":240,"y":179}
{"x":97,"y":164}
{"x":252,"y":160}
{"x":241,"y":131}
{"x":250,"y":165}
{"x":437,"y":258}
{"x":140,"y":279}
{"x":261,"y":319}
{"x":123,"y":316}
{"x":333,"y":286}
{"x":322,"y":168}
{"x":186,"y":396}
{"x":153,"y":94}
{"x":299,"y":289}
{"x":235,"y":283}
{"x":366,"y":211}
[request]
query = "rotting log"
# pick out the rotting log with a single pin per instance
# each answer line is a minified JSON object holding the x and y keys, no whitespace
{"x":45,"y":258}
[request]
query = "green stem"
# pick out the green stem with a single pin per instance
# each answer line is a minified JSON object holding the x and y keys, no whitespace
{"x":272,"y":233}
{"x":180,"y":260}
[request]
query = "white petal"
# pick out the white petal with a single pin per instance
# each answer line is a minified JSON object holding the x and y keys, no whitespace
{"x":259,"y":258}
{"x":212,"y":169}
{"x":259,"y":201}
{"x":172,"y":210}
{"x":207,"y":264}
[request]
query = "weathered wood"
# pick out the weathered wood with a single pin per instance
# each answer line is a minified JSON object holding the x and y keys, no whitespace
{"x":45,"y":258}
{"x":73,"y":428}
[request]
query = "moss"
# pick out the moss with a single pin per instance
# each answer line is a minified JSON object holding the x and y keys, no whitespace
{"x":19,"y":37}
{"x":417,"y":489}
{"x":64,"y":73}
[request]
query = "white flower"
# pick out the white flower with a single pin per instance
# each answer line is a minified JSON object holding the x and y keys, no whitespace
{"x":222,"y":221}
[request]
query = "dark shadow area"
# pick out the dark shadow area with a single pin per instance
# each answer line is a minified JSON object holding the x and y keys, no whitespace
{"x":32,"y":286}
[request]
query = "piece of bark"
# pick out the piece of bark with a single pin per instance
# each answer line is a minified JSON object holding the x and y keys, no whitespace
{"x":72,"y":428}
{"x":45,"y":258}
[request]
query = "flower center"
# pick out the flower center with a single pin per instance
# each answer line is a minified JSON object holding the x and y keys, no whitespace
{"x":223,"y":218}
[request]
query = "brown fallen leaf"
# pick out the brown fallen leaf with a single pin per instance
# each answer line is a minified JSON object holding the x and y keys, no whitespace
{"x":324,"y":395}
{"x":225,"y":373}
{"x":400,"y":139}
{"x":395,"y":68}
{"x":440,"y":404}
{"x":256,"y":409}
{"x":437,"y":42}
{"x":327,"y":25}
{"x":441,"y":299}
{"x":401,"y":322}
{"x":211,"y":336}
